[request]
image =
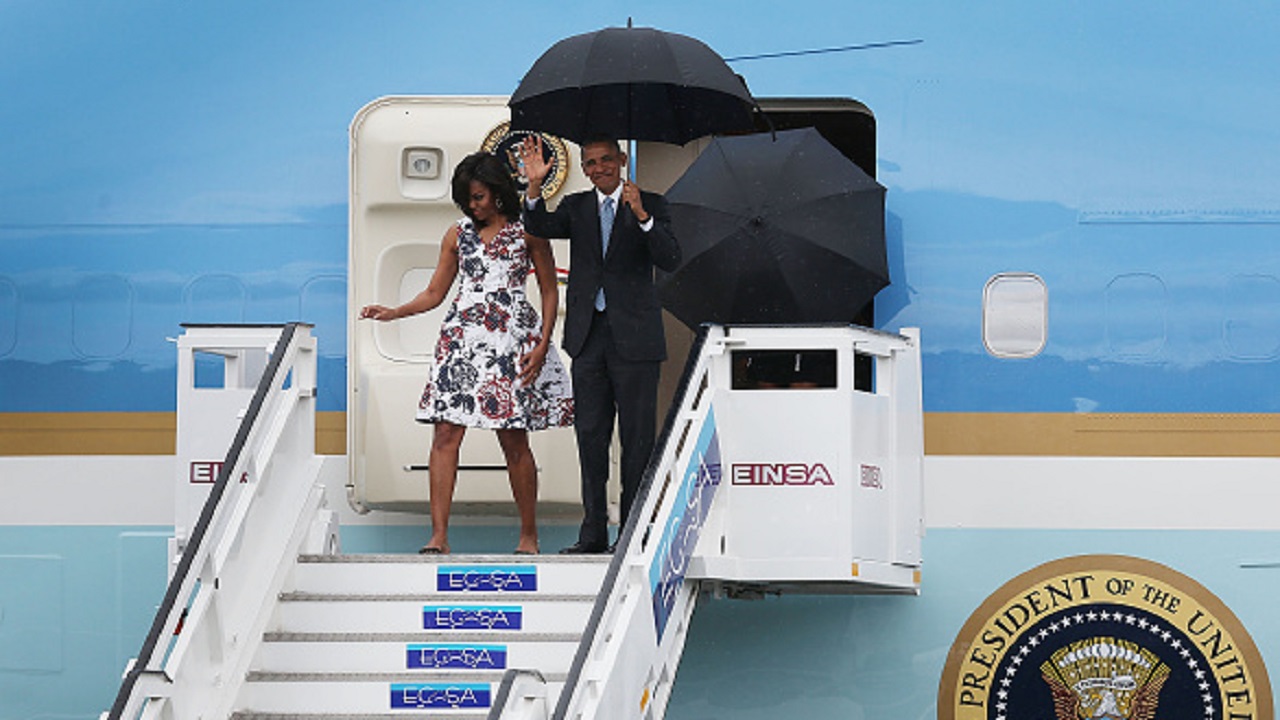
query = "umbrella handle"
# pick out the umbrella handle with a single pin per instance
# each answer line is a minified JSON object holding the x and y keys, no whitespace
{"x":631,"y":144}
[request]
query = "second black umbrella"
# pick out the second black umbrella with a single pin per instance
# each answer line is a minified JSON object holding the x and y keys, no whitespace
{"x":784,"y":230}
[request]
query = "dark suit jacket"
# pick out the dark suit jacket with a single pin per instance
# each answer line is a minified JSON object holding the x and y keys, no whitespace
{"x":635,"y":314}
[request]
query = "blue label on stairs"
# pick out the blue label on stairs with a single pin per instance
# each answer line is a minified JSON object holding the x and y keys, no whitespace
{"x":440,"y":695}
{"x":472,"y":617}
{"x":487,"y":578}
{"x":448,"y":656}
{"x":680,"y":535}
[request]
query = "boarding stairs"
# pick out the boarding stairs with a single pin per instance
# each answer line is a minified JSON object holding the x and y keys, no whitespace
{"x":368,"y":635}
{"x":264,"y":619}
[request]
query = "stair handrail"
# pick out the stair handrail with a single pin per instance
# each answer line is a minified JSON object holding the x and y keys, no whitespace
{"x":626,"y":661}
{"x":522,"y":695}
{"x":511,"y":676}
{"x":148,"y":676}
{"x":645,"y":513}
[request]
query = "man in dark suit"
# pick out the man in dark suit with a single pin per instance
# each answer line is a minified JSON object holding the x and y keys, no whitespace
{"x":613,"y":319}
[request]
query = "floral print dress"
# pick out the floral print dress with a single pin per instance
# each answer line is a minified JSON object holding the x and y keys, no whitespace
{"x":488,"y":327}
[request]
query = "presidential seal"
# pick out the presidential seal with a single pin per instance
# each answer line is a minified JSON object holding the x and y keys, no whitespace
{"x":1103,"y":637}
{"x":505,"y":143}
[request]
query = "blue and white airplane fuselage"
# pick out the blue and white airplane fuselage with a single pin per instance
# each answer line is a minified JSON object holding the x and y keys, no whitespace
{"x":1082,"y":219}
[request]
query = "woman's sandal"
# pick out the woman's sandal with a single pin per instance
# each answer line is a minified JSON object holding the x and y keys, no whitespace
{"x":429,"y":550}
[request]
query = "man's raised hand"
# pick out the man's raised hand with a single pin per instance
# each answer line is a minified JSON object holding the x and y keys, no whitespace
{"x":536,"y":167}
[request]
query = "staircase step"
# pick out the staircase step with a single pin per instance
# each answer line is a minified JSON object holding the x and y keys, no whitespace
{"x":451,"y":574}
{"x":406,"y":614}
{"x":359,"y":637}
{"x":446,"y":695}
{"x":429,"y":653}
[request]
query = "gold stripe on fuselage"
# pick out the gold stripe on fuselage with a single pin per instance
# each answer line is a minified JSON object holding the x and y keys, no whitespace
{"x":1043,"y":434}
{"x":124,"y":433}
{"x":1103,"y":434}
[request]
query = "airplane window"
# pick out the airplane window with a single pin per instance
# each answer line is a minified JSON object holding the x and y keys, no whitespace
{"x":1015,"y":315}
{"x":8,"y":316}
{"x":402,"y":271}
{"x":1137,"y":315}
{"x":102,"y":316}
{"x":323,"y":303}
{"x":1252,"y":324}
{"x":418,"y":333}
{"x":214,"y":299}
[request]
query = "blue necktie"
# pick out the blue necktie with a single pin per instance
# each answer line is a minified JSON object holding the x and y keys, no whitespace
{"x":606,"y":227}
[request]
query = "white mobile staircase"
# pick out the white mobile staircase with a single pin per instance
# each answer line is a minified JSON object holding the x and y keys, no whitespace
{"x":379,"y":634}
{"x":264,"y":620}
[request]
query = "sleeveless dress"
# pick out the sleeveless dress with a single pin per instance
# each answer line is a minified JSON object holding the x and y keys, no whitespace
{"x":488,"y":327}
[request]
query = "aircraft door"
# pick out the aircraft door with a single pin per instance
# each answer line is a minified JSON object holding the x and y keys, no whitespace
{"x":403,"y":151}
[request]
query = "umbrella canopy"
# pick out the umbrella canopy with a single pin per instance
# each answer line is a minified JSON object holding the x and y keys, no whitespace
{"x":775,"y":231}
{"x":634,"y":84}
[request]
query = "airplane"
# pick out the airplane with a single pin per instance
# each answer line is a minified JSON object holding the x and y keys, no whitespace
{"x":1080,"y":210}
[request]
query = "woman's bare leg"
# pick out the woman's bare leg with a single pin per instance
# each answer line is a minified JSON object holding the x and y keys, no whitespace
{"x":443,"y":475}
{"x":523,"y":474}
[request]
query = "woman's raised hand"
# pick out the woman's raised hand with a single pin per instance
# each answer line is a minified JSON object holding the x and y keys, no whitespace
{"x":377,"y":312}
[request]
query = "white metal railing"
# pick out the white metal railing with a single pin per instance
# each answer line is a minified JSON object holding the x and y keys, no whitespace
{"x":261,"y":511}
{"x":852,"y":524}
{"x":645,"y":616}
{"x":641,"y":616}
{"x":522,"y":695}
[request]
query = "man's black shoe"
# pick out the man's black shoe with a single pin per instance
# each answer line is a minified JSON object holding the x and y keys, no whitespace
{"x":581,"y":548}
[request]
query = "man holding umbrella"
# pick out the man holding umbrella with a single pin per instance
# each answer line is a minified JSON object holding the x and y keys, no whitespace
{"x":613,"y":320}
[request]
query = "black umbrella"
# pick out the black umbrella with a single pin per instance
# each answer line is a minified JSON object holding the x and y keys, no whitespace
{"x":631,"y":83}
{"x":784,"y":230}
